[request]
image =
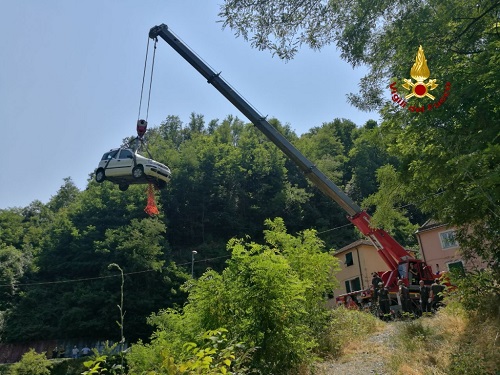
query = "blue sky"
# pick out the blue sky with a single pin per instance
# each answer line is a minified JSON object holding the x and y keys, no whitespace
{"x":71,"y":73}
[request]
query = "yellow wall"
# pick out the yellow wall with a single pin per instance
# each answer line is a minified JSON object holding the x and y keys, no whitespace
{"x":365,"y":261}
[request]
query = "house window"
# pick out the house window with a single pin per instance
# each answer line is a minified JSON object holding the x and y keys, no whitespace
{"x":457,"y":266}
{"x":352,"y":285}
{"x":348,"y":260}
{"x":448,"y":239}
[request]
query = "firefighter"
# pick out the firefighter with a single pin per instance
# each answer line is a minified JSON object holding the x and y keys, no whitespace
{"x":375,"y":282}
{"x":404,"y":295}
{"x":424,"y":297}
{"x":436,"y":294}
{"x":383,"y":301}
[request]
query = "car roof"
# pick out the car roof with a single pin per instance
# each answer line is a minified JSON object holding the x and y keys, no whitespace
{"x":121,"y":148}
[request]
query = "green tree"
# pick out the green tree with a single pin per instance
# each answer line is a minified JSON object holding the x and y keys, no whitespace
{"x":449,"y":154}
{"x":328,"y":147}
{"x":369,"y":152}
{"x":323,"y":146}
{"x":69,"y":292}
{"x":13,"y":265}
{"x":11,"y":222}
{"x":226,"y":182}
{"x":269,"y":296}
{"x":65,"y":196}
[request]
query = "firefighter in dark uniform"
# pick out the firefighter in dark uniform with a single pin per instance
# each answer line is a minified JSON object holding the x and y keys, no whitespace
{"x":436,"y":294}
{"x":383,"y":301}
{"x":375,"y":281}
{"x":404,"y":295}
{"x":424,"y":291}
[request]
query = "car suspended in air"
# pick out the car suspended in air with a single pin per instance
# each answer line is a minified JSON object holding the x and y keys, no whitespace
{"x":125,"y":167}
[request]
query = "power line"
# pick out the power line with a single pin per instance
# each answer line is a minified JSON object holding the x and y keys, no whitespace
{"x":342,"y":226}
{"x":103,"y":277}
{"x":180,"y":264}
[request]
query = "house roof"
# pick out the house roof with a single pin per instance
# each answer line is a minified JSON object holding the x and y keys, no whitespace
{"x":429,"y":224}
{"x":364,"y":242}
{"x":353,"y":245}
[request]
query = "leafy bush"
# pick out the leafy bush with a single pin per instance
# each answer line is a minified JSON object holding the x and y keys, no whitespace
{"x":214,"y":354}
{"x":270,"y":297}
{"x":32,"y":363}
{"x":477,"y":291}
{"x":67,"y":366}
{"x":111,"y":360}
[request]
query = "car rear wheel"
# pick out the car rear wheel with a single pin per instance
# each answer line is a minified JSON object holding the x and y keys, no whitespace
{"x":100,"y":175}
{"x":123,"y":187}
{"x":138,"y":172}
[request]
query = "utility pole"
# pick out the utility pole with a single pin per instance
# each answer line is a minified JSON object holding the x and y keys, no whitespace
{"x":193,"y":253}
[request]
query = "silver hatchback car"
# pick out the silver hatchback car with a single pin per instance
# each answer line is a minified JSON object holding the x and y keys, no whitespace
{"x":125,"y":167}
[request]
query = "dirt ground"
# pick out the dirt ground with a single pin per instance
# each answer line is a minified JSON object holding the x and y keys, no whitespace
{"x":367,"y":358}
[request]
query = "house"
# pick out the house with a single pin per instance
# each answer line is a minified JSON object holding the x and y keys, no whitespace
{"x":440,"y":249}
{"x":358,"y":261}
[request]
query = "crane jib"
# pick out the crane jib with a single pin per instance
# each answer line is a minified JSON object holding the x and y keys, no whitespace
{"x":393,"y":254}
{"x":309,"y":169}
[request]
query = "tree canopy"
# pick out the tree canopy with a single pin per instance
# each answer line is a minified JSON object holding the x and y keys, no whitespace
{"x":228,"y":179}
{"x":448,"y":152}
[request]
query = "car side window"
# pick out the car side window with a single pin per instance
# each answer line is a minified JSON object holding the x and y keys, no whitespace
{"x":109,"y":155}
{"x":126,"y":154}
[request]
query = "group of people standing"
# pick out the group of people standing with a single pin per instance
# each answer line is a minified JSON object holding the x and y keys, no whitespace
{"x":430,"y":297}
{"x":75,"y":352}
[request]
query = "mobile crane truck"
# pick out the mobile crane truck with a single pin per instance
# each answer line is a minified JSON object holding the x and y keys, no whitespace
{"x":398,"y":260}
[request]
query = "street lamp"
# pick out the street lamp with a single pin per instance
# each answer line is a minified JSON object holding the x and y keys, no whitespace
{"x":192,"y":262}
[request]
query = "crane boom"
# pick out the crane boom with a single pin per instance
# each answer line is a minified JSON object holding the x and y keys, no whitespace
{"x":388,"y":248}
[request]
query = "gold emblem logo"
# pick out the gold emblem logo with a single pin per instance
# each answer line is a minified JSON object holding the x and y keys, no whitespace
{"x":420,"y":72}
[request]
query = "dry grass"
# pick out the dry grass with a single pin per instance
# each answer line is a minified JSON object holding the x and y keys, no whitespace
{"x":451,"y":342}
{"x":348,"y":331}
{"x":448,"y":343}
{"x":360,"y":344}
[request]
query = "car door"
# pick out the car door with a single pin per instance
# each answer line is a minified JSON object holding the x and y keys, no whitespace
{"x":121,"y":164}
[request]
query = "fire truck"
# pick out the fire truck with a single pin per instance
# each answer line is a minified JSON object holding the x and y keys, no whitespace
{"x":398,"y":260}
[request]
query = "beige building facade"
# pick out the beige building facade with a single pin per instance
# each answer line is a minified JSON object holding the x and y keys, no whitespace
{"x":358,"y":261}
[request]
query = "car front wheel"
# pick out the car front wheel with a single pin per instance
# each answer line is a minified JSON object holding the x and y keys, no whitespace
{"x":100,"y":176}
{"x":138,"y":172}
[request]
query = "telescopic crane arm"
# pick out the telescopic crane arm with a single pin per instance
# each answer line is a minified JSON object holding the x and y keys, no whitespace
{"x":389,"y":249}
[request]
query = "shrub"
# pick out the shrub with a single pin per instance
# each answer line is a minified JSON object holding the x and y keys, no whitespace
{"x":477,"y":291}
{"x":32,"y":363}
{"x":270,"y":297}
{"x":213,"y":354}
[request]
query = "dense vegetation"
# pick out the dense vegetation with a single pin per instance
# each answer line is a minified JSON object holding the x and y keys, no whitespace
{"x":257,"y":299}
{"x":448,"y":153}
{"x":227,"y":180}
